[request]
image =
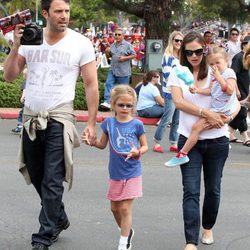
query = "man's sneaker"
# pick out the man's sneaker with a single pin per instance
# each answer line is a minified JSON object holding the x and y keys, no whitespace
{"x":175,"y":161}
{"x":17,"y":130}
{"x":130,"y":237}
{"x":60,"y":227}
{"x":39,"y":246}
{"x":105,"y":106}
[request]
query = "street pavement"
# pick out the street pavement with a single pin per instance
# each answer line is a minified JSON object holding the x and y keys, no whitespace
{"x":157,"y":215}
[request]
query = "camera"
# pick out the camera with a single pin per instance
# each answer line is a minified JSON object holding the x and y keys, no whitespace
{"x":33,"y":33}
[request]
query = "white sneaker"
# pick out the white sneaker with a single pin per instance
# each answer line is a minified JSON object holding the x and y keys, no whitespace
{"x":122,"y":247}
{"x":105,"y":105}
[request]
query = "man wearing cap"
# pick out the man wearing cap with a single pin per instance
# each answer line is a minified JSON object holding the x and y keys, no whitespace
{"x":121,"y":53}
{"x":243,"y":82}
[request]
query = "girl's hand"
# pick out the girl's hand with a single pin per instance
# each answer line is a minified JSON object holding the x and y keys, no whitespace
{"x":193,"y":89}
{"x":215,"y":72}
{"x":134,"y":152}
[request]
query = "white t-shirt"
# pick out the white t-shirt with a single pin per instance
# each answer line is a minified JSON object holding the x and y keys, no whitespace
{"x":187,"y":120}
{"x":233,"y":49}
{"x":147,"y":96}
{"x":54,"y":69}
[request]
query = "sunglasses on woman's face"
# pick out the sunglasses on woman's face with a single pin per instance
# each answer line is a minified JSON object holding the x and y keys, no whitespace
{"x":178,"y":40}
{"x":197,"y":52}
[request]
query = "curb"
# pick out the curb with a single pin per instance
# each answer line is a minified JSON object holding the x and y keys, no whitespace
{"x":80,"y":117}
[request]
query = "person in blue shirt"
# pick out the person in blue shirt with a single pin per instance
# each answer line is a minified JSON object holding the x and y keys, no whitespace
{"x":127,"y":142}
{"x":121,"y":53}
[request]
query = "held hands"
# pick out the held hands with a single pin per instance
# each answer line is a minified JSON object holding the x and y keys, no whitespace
{"x":89,"y":136}
{"x":134,"y":153}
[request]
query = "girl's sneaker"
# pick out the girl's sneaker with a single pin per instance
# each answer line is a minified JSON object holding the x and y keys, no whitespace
{"x":130,"y":237}
{"x":122,"y":247}
{"x":176,"y":161}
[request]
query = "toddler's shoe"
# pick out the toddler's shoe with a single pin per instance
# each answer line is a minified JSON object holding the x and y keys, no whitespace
{"x":175,"y":161}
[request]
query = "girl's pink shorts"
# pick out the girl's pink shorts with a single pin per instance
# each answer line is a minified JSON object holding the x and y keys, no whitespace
{"x":120,"y":190}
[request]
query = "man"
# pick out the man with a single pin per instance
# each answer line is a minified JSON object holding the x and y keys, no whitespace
{"x":49,"y":134}
{"x":233,"y":44}
{"x":243,"y":82}
{"x":121,"y":53}
{"x":208,"y":37}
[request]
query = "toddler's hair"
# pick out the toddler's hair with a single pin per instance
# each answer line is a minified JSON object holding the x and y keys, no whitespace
{"x":246,"y":57}
{"x":217,"y":50}
{"x":121,"y":90}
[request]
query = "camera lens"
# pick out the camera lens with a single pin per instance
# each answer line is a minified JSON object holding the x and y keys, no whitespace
{"x":29,"y":34}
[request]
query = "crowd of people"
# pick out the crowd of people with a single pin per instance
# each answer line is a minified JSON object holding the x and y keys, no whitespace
{"x":204,"y":96}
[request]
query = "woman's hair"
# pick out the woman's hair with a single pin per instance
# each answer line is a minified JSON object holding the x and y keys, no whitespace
{"x":217,"y":50}
{"x":246,"y":57}
{"x":170,"y":48}
{"x":148,"y":76}
{"x":188,"y":38}
{"x":121,"y":90}
{"x":45,"y":4}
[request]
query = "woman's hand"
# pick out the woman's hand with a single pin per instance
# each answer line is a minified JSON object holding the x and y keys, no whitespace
{"x":215,"y":120}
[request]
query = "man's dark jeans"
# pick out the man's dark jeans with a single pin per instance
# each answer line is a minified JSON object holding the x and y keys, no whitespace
{"x":211,"y":154}
{"x":45,"y":162}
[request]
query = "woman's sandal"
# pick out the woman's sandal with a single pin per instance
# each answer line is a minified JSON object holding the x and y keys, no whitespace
{"x":235,"y":140}
{"x":247,"y":143}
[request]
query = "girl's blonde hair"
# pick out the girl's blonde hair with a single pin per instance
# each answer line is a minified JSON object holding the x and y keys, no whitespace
{"x":121,"y":90}
{"x":246,"y":57}
{"x":217,"y":50}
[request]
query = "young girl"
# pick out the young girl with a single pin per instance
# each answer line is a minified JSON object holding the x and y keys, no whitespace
{"x":223,"y":90}
{"x":127,"y":142}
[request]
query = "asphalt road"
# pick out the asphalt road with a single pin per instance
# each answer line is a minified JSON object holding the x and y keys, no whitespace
{"x":157,"y":215}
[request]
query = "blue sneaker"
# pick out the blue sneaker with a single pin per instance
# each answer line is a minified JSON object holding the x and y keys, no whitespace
{"x":176,"y":161}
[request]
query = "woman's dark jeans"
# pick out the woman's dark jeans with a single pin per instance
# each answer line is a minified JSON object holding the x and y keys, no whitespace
{"x":45,"y":162}
{"x":210,"y":154}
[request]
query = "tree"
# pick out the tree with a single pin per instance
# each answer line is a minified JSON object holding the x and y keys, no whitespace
{"x":156,"y":14}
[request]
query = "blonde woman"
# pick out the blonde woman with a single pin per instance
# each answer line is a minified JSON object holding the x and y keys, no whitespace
{"x":171,"y":114}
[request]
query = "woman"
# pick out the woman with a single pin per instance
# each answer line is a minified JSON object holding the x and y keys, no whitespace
{"x":150,"y":102}
{"x":211,"y":150}
{"x":171,"y":114}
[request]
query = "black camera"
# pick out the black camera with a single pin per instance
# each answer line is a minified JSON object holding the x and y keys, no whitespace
{"x":32,"y":35}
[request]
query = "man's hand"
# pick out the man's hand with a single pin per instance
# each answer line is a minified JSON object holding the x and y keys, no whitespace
{"x":89,"y":135}
{"x":18,"y":33}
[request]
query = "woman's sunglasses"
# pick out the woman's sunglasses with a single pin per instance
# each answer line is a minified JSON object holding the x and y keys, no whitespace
{"x":123,"y":105}
{"x":178,"y":40}
{"x":197,"y":52}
